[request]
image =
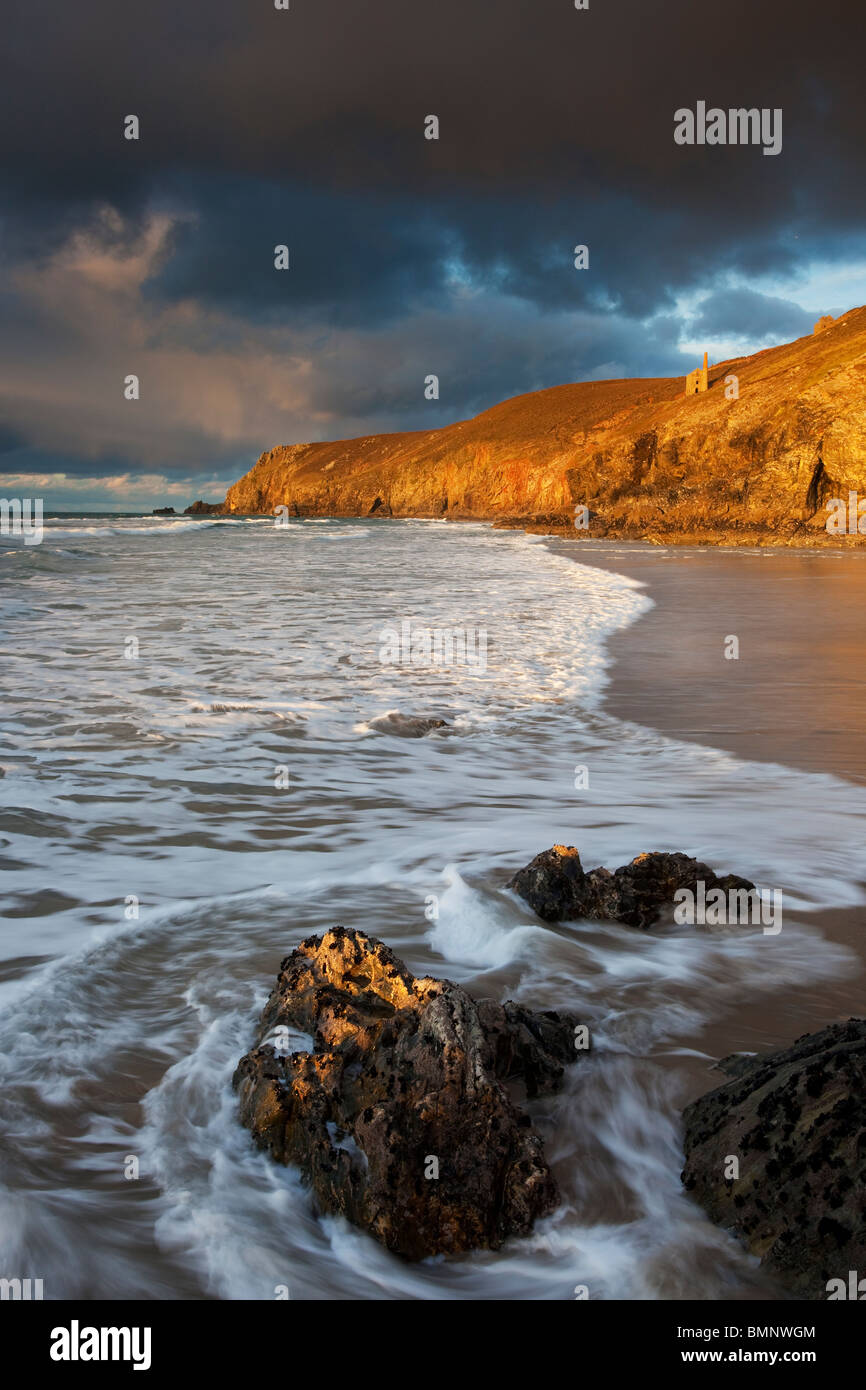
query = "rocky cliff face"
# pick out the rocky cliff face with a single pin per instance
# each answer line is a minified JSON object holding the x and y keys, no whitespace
{"x":647,"y":460}
{"x":794,"y":1122}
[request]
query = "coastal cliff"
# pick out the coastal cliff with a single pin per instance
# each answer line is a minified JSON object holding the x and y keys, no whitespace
{"x":754,"y":459}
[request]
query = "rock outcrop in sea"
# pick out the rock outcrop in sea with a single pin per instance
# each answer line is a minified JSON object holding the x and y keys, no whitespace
{"x":204,"y":509}
{"x":794,"y":1122}
{"x":754,"y":459}
{"x":400,"y":1115}
{"x":558,"y":888}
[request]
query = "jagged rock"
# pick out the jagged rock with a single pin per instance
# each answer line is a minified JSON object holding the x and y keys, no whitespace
{"x":554,"y":884}
{"x":164,"y":511}
{"x":796,"y":1122}
{"x":404,"y":1072}
{"x":558,"y":889}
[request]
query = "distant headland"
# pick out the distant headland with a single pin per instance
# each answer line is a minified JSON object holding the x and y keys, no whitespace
{"x":748,"y":451}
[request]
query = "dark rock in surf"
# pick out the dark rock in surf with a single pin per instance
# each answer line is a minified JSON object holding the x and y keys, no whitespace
{"x":399,"y":1118}
{"x":406,"y":725}
{"x":796,"y":1122}
{"x":554,"y":884}
{"x":164,"y":511}
{"x":558,"y":889}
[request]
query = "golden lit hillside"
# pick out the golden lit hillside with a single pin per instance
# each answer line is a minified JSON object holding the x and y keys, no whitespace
{"x":646,"y":459}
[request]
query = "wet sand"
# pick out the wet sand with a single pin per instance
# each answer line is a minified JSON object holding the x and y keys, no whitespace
{"x":796,"y":694}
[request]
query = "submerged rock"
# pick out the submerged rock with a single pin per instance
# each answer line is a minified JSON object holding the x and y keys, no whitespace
{"x":795,"y":1121}
{"x":399,"y":1117}
{"x":559,"y":889}
{"x":406,"y":725}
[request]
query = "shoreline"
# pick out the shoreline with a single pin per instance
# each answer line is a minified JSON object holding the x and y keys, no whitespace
{"x":794,"y":535}
{"x":797,"y":691}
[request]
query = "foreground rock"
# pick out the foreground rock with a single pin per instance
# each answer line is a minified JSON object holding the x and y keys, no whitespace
{"x":796,"y":1122}
{"x":405,"y":1079}
{"x":558,"y":888}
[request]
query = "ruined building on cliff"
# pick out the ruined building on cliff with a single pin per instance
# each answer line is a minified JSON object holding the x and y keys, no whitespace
{"x":699,"y":379}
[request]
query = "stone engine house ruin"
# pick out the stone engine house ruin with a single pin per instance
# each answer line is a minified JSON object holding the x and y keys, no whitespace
{"x":699,"y":379}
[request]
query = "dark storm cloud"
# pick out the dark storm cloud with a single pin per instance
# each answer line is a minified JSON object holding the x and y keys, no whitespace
{"x":305,"y":127}
{"x":362,"y":260}
{"x":525,"y":88}
{"x":10,"y":443}
{"x":23,"y":460}
{"x":752,"y":315}
{"x":368,"y":259}
{"x":538,"y":104}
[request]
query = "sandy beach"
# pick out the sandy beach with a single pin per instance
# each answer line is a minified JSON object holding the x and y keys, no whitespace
{"x":797,"y":692}
{"x":795,"y":696}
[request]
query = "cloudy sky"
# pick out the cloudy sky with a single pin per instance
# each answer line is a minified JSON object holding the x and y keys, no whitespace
{"x":306,"y":127}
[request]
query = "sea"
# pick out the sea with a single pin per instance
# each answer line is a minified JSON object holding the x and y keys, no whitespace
{"x":210,"y":751}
